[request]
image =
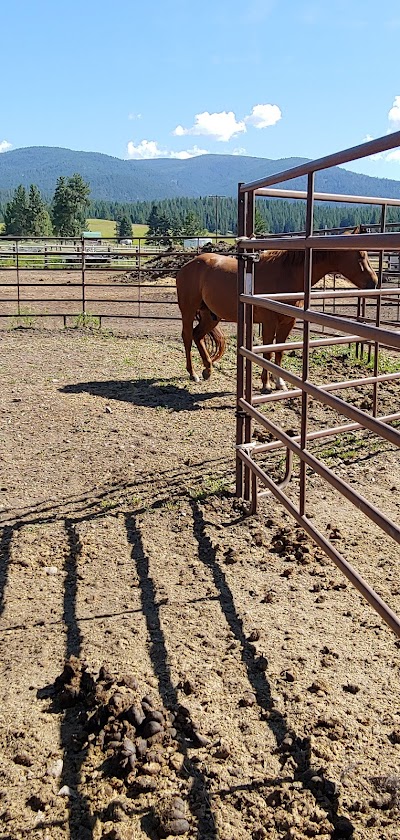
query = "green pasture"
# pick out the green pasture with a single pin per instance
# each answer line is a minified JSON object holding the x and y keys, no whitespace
{"x":107,"y":228}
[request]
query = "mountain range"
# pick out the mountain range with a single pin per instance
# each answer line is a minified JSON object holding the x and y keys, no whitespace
{"x":113,"y":179}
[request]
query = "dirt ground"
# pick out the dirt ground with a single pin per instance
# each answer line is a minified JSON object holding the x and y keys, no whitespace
{"x":124,"y":547}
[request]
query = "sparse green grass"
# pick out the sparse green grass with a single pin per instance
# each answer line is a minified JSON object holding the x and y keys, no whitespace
{"x":323,"y":358}
{"x":25,"y":319}
{"x":86,"y":321}
{"x":348,"y":447}
{"x":108,"y":504}
{"x":210,"y":487}
{"x":135,"y":501}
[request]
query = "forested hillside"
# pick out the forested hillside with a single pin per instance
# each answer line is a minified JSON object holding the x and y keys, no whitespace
{"x":112,"y":179}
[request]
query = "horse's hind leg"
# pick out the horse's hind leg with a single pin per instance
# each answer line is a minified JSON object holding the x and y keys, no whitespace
{"x":187,"y":337}
{"x":206,"y":323}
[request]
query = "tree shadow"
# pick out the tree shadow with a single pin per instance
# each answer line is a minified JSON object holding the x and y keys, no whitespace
{"x":147,"y":392}
{"x":199,"y":796}
{"x":289,"y":745}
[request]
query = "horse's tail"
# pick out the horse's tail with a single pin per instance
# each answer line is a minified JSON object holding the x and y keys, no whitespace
{"x":215,"y":343}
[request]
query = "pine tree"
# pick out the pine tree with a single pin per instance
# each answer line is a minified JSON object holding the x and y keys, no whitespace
{"x":159,"y":228}
{"x":39,"y":222}
{"x":123,"y":227}
{"x":192,"y":225}
{"x":70,"y":204}
{"x":16,"y":222}
{"x":260,"y":226}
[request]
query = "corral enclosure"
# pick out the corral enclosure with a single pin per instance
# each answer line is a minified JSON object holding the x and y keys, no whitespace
{"x":125,"y":551}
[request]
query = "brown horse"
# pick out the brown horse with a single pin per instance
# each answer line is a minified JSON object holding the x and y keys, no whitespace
{"x":207,"y":292}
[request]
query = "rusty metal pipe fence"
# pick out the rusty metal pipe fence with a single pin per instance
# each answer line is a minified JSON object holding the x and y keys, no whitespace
{"x":360,"y":330}
{"x":77,"y":280}
{"x":70,"y":282}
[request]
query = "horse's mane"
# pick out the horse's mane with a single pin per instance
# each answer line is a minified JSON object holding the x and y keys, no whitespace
{"x":293,"y":258}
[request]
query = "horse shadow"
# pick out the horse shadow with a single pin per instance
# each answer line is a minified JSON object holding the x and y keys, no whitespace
{"x":148,"y":392}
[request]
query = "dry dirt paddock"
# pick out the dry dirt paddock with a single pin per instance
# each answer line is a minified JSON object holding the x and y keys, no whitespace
{"x":272,"y":705}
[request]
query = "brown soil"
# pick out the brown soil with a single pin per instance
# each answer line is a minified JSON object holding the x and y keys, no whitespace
{"x":123,"y":546}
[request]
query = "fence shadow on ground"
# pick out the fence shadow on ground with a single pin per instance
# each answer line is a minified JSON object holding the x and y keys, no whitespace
{"x":200,"y":796}
{"x":80,"y":818}
{"x":298,"y":748}
{"x":147,"y":392}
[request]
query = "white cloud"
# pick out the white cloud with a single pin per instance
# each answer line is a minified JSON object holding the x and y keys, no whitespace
{"x":189,"y":153}
{"x":5,"y":146}
{"x":134,"y":116}
{"x":239,"y":151}
{"x":149,"y":150}
{"x":394,"y":125}
{"x":389,"y":156}
{"x":394,"y":114}
{"x":221,"y":125}
{"x":263,"y":116}
{"x":145,"y":149}
{"x":393,"y":155}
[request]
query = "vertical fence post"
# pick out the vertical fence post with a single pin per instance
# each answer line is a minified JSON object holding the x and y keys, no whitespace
{"x":378,"y":316}
{"x":240,"y":338}
{"x":248,"y":390}
{"x":83,"y":278}
{"x":306,"y":337}
{"x":139,"y":263}
{"x":18,"y":286}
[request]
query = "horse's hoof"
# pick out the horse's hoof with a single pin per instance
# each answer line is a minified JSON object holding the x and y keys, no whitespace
{"x":194,"y":378}
{"x":281,"y":385}
{"x":206,"y":373}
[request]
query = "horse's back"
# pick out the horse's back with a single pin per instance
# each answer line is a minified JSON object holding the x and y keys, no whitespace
{"x":210,"y":279}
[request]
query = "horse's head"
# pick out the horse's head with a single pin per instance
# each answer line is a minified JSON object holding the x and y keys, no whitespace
{"x":357,"y":267}
{"x":364,"y":277}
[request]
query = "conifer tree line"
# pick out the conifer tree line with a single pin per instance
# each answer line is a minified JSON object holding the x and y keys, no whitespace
{"x":272,"y":215}
{"x":27,"y":213}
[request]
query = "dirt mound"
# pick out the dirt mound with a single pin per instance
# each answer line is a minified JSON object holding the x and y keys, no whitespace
{"x":168,"y":263}
{"x":145,"y":744}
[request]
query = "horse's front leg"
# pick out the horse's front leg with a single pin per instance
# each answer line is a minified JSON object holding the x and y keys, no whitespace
{"x":284,"y":328}
{"x":268,"y":332}
{"x":266,"y":375}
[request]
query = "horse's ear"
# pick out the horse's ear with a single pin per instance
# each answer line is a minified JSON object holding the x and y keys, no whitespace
{"x":349,"y":232}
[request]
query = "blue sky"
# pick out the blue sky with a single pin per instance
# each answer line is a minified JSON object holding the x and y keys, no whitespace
{"x":266,"y":78}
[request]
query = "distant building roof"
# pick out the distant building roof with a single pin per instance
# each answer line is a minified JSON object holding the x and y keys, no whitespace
{"x":196,"y":242}
{"x":92,"y":234}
